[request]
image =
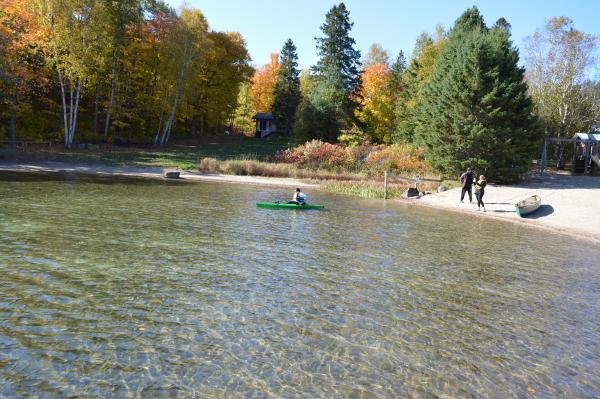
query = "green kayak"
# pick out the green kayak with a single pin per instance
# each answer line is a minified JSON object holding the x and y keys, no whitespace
{"x":282,"y":205}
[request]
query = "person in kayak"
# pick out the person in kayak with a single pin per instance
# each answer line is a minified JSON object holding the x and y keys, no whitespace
{"x":299,"y":198}
{"x":466,"y":181}
{"x":480,"y":191}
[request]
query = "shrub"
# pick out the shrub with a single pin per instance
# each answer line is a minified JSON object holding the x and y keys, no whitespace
{"x":209,"y":165}
{"x":366,"y":158}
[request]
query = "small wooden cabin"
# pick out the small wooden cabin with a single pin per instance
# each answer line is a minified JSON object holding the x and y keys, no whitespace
{"x":265,"y":125}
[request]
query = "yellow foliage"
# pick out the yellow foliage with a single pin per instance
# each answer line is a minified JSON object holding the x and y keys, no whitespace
{"x":263,"y":84}
{"x":376,"y":111}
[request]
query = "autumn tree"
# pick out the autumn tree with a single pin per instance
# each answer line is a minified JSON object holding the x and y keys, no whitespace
{"x":413,"y":81}
{"x":216,"y":82}
{"x":22,"y":72}
{"x":376,"y":111}
{"x":185,"y":44}
{"x":263,"y":85}
{"x":242,"y":119}
{"x":73,"y":26}
{"x":376,"y":55}
{"x":558,"y":58}
{"x":287,"y":88}
{"x":119,"y":15}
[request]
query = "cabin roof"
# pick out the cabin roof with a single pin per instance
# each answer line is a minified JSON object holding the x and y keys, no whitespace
{"x":263,"y":115}
{"x":587,"y":136}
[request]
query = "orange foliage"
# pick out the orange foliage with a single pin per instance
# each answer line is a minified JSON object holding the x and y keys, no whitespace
{"x":22,"y":38}
{"x":263,"y":84}
{"x":376,"y":111}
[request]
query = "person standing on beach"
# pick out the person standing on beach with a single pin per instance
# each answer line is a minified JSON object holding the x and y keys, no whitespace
{"x":466,"y":181}
{"x":480,"y":191}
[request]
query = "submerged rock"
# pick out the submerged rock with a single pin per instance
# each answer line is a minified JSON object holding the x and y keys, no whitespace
{"x":171,"y":174}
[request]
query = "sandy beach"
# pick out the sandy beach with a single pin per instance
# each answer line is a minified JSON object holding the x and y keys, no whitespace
{"x":149,"y":172}
{"x":570,"y":204}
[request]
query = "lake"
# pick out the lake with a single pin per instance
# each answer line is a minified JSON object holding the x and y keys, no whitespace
{"x":146,"y":288}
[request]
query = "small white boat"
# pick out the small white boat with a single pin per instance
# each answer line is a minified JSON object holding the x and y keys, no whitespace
{"x":528,"y":205}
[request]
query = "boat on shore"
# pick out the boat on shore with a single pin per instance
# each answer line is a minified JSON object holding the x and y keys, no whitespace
{"x":284,"y":205}
{"x":528,"y":205}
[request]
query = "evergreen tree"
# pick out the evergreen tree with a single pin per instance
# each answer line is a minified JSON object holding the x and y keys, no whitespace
{"x":414,"y":80}
{"x":476,"y":112}
{"x":287,"y":88}
{"x":397,"y":70}
{"x":336,"y":79}
{"x":336,"y":49}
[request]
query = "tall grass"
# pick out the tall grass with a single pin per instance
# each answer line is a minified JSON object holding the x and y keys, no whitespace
{"x":267,"y":169}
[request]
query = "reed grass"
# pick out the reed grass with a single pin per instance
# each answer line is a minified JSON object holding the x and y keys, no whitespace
{"x":355,"y":184}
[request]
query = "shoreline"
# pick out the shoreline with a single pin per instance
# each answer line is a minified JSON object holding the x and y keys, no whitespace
{"x":533,"y":223}
{"x":570,"y":204}
{"x":569,"y":211}
{"x":149,"y":172}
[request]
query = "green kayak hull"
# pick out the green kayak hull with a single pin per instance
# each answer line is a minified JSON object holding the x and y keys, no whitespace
{"x":275,"y":205}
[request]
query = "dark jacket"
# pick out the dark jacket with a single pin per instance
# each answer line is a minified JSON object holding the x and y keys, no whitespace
{"x":480,"y":186}
{"x":466,"y":179}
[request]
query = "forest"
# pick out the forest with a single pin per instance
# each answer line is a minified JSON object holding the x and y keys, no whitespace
{"x":142,"y":73}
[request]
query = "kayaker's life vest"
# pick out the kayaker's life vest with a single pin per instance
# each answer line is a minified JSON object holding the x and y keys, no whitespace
{"x":300,"y":197}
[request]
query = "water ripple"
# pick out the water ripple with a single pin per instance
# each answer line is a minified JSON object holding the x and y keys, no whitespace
{"x":140,"y":289}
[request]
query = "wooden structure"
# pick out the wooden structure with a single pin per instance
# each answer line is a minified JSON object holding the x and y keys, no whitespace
{"x":586,"y":151}
{"x":416,"y":180}
{"x":264,"y":124}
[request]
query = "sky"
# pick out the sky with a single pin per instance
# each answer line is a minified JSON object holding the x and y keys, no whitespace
{"x":395,"y":24}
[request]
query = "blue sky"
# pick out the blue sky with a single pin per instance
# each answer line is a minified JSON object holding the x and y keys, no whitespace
{"x":395,"y":24}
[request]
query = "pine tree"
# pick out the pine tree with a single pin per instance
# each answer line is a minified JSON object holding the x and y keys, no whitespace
{"x":336,"y":49}
{"x":287,"y":88}
{"x":398,"y":69}
{"x":330,"y":105}
{"x":476,"y":112}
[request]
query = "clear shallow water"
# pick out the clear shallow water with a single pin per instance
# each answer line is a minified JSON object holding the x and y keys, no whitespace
{"x":141,"y":288}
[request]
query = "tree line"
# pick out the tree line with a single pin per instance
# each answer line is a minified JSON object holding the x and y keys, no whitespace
{"x":463,"y":94}
{"x":105,"y":70}
{"x":138,"y":70}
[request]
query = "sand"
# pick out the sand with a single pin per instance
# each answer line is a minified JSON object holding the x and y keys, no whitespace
{"x":570,"y":204}
{"x":149,"y":172}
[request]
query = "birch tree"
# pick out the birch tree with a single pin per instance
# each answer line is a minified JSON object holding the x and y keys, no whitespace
{"x":558,"y":59}
{"x":121,"y":13}
{"x":185,"y":44}
{"x":70,"y":24}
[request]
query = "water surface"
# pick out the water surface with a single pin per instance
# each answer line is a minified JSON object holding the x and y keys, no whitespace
{"x":145,"y":288}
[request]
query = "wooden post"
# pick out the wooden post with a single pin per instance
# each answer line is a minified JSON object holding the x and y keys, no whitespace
{"x":575,"y":157}
{"x":587,"y":158}
{"x":385,"y":184}
{"x":544,"y":156}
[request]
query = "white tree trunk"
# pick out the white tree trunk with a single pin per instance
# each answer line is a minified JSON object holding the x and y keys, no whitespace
{"x":64,"y":103}
{"x":96,"y":102}
{"x":78,"y":91}
{"x":112,"y":93}
{"x":162,"y":112}
{"x":178,"y":89}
